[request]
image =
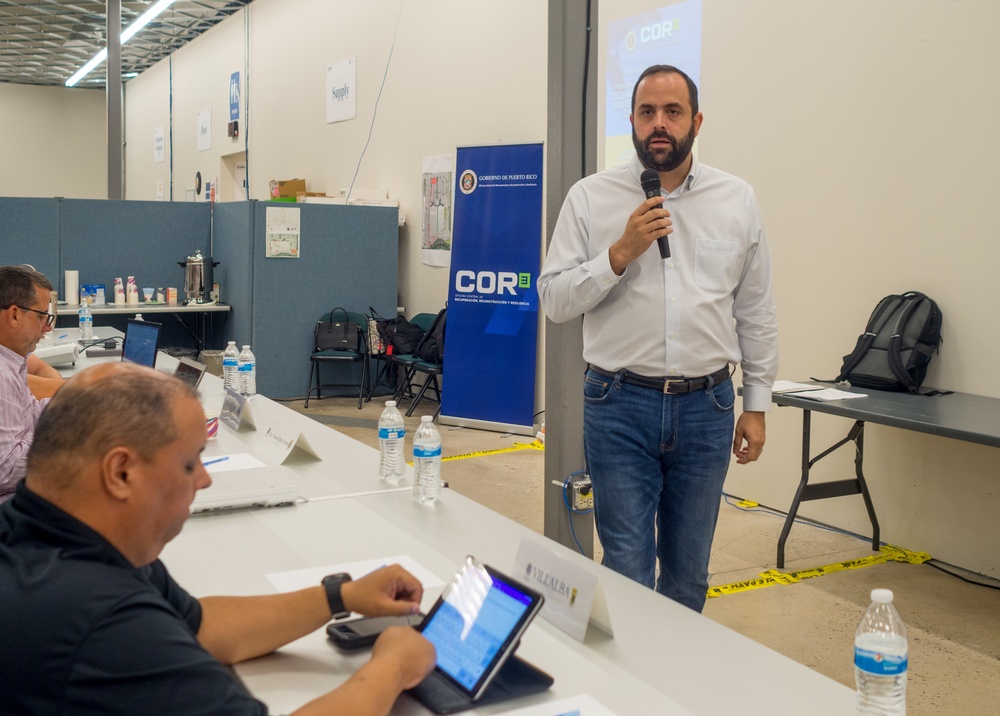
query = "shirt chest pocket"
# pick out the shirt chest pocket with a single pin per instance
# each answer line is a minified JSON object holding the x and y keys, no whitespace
{"x":717,"y":264}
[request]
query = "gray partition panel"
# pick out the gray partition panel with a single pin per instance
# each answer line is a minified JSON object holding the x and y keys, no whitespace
{"x":29,"y":234}
{"x":349,"y":258}
{"x":104,"y":240}
{"x":233,"y":236}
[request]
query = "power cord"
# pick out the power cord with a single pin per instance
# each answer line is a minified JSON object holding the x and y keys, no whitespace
{"x":570,"y":510}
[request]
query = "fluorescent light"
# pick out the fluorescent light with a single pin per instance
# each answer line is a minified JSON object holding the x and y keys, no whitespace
{"x":85,"y":70}
{"x":127,"y":34}
{"x":145,"y":19}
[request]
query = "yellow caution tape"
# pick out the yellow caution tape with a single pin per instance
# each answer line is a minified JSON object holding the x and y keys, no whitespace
{"x":772,"y":577}
{"x":747,"y":504}
{"x":536,"y":445}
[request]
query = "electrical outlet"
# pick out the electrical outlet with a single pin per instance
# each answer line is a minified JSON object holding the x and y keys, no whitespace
{"x":583,"y":494}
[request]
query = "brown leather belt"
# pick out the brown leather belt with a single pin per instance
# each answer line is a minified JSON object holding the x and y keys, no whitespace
{"x":670,"y":386}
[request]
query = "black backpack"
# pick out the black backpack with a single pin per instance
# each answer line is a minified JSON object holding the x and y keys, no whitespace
{"x":431,"y":348}
{"x":894,"y":351}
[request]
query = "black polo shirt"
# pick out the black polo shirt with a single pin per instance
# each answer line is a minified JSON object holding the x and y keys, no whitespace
{"x":85,"y":632}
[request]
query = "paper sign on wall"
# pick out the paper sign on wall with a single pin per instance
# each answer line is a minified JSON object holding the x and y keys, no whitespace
{"x":341,"y":94}
{"x":574,"y":596}
{"x":204,"y":129}
{"x":159,"y":145}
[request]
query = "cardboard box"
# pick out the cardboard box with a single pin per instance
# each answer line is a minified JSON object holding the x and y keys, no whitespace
{"x":287,"y":188}
{"x":305,"y":194}
{"x":93,"y":293}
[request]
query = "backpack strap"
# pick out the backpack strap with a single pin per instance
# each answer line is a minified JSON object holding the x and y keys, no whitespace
{"x":879,"y":318}
{"x":911,"y":301}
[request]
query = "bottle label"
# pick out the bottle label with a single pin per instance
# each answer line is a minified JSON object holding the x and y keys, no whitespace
{"x":880,"y":663}
{"x":245,"y":368}
{"x":229,"y":361}
{"x":419,"y":451}
{"x":391,"y":433}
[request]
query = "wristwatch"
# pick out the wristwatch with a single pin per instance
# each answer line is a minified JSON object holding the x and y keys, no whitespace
{"x":332,"y":583}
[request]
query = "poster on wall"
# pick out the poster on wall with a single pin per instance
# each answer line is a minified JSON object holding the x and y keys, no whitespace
{"x":282,"y":232}
{"x":341,"y":95}
{"x":492,"y":327}
{"x":436,"y":203}
{"x":205,"y":129}
{"x":159,"y":145}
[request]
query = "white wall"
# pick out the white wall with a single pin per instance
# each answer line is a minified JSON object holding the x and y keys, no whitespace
{"x":461,"y":73}
{"x":53,"y":142}
{"x":868,"y":130}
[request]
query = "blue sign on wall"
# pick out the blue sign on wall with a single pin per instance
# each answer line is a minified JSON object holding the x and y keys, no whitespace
{"x":234,"y":96}
{"x":492,"y":328}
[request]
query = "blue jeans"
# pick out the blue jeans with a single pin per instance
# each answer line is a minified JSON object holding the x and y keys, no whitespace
{"x":658,"y":463}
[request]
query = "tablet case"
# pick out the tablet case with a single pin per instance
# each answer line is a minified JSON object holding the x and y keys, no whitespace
{"x":516,"y":678}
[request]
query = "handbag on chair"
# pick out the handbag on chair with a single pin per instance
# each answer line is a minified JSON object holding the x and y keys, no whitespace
{"x":337,"y":334}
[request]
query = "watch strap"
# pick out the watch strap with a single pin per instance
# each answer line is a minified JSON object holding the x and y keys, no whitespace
{"x":333,"y":583}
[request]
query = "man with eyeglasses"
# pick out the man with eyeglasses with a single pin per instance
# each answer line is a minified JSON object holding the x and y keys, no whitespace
{"x":24,"y":320}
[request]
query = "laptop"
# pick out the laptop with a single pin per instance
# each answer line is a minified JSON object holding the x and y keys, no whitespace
{"x":142,"y":340}
{"x":190,"y":371}
{"x":243,"y":489}
{"x":475,"y":626}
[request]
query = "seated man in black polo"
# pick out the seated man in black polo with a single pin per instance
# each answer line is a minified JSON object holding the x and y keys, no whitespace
{"x":92,"y":623}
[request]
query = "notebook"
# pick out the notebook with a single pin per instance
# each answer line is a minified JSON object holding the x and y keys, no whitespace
{"x":242,"y":489}
{"x":475,"y":626}
{"x":142,"y":340}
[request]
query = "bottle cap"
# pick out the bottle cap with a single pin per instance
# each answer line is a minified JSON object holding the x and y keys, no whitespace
{"x":245,"y":347}
{"x":882,"y":596}
{"x":426,"y":418}
{"x":390,"y":403}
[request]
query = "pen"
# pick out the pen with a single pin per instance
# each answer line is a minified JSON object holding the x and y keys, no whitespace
{"x":212,"y":462}
{"x":64,"y":335}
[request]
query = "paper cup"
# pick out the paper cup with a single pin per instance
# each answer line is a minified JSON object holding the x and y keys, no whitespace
{"x":212,"y":425}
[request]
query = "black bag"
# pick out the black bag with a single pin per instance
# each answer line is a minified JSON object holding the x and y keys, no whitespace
{"x":894,"y":351}
{"x":337,"y":334}
{"x":431,"y":348}
{"x":403,"y":336}
{"x":379,"y":339}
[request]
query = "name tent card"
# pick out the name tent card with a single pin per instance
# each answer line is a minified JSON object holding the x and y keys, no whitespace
{"x":279,"y":439}
{"x":574,"y":597}
{"x":236,"y":410}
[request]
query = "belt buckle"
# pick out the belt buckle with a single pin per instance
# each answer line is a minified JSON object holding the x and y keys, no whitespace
{"x":668,"y":383}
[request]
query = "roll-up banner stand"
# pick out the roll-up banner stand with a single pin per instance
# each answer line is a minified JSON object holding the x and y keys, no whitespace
{"x":491,"y":334}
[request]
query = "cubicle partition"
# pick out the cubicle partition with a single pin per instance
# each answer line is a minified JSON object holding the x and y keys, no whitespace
{"x":348,"y":257}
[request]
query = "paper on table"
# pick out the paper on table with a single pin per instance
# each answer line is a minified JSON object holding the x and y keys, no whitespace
{"x":228,"y":463}
{"x":311,"y":576}
{"x":830,"y":394}
{"x":787,"y":386}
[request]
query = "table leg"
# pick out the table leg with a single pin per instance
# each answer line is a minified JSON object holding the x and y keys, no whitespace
{"x":836,"y":488}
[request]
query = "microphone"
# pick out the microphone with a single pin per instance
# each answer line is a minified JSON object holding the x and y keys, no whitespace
{"x":651,"y":186}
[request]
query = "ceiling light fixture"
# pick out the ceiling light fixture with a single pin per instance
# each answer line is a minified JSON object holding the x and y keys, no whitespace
{"x":127,"y":34}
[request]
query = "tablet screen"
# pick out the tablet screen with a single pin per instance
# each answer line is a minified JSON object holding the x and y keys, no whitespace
{"x":477,"y":622}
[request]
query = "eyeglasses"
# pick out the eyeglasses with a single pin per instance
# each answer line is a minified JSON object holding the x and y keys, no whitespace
{"x":49,"y":318}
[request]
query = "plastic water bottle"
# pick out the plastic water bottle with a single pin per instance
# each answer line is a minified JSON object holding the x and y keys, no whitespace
{"x":881,"y":659}
{"x":230,"y":366}
{"x":86,"y":322}
{"x":246,"y":366}
{"x":391,"y":436}
{"x":426,"y":462}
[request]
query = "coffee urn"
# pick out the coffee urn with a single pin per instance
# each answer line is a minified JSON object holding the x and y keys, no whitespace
{"x":198,"y":279}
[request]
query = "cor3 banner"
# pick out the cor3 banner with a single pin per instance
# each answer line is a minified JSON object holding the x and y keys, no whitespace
{"x":491,"y":333}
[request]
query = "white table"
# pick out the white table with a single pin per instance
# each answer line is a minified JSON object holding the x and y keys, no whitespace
{"x":664,"y":658}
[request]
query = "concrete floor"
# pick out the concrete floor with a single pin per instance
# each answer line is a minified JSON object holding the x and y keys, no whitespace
{"x":953,"y":626}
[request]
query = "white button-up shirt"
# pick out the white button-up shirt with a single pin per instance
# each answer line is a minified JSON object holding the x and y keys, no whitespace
{"x":708,"y":305}
{"x":19,"y":411}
